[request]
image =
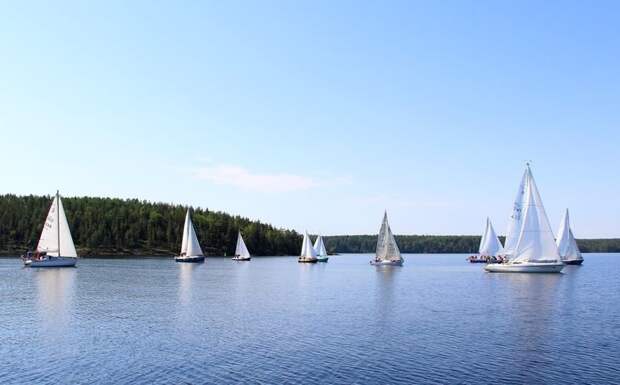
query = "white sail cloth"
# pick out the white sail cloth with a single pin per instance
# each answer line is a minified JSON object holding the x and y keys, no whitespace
{"x":319,"y":247}
{"x":56,"y":237}
{"x":190,"y":247}
{"x":514,"y":223}
{"x":387,"y":249}
{"x":241,"y":250}
{"x":489,"y":243}
{"x":307,"y":251}
{"x":567,"y":245}
{"x":536,"y":242}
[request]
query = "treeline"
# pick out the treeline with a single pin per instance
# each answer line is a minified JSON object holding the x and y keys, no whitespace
{"x":444,"y":244}
{"x":106,"y":226}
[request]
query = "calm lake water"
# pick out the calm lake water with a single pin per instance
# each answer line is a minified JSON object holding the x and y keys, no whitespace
{"x":438,"y":319}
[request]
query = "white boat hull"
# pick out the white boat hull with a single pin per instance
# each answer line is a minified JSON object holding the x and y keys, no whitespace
{"x":241,"y":258}
{"x":52,"y":262}
{"x":387,"y":263}
{"x":526,"y":267}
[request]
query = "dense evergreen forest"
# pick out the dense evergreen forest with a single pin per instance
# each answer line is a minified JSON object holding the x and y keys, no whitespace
{"x":106,"y":226}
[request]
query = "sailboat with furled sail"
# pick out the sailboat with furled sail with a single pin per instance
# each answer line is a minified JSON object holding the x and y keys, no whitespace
{"x":55,"y":247}
{"x":241,"y":251}
{"x":567,"y":245}
{"x":190,"y":247}
{"x":535,"y":250}
{"x":387,"y":252}
{"x":321,"y":252}
{"x":308,"y":254}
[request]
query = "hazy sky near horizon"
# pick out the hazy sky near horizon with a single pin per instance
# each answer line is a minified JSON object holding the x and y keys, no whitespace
{"x":318,"y":115}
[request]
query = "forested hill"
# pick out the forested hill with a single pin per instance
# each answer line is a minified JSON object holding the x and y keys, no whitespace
{"x":105,"y":226}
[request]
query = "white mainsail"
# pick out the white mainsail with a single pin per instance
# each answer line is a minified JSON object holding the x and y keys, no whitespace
{"x":514,"y":223}
{"x":190,"y":247}
{"x":241,"y":250}
{"x":489,"y":244}
{"x":536,"y":242}
{"x":307,"y":251}
{"x":567,"y":245}
{"x":319,"y":247}
{"x":56,"y":237}
{"x":387,"y":249}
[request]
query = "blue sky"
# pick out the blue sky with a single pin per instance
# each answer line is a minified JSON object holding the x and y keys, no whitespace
{"x":318,"y":115}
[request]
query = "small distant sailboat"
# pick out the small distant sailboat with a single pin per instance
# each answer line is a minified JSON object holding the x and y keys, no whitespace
{"x":490,"y":245}
{"x":55,"y":247}
{"x":319,"y":248}
{"x":190,"y":247}
{"x":567,"y":245}
{"x":308,"y":254}
{"x":387,"y":252}
{"x":535,"y":250}
{"x":241,"y":252}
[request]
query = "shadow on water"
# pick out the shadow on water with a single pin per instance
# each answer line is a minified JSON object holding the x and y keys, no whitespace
{"x":55,"y":291}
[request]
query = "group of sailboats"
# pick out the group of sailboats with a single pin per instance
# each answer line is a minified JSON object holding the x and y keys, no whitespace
{"x":312,"y":253}
{"x":530,"y":246}
{"x":190,"y":247}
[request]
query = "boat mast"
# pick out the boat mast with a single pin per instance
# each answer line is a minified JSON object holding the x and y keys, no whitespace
{"x":58,"y":218}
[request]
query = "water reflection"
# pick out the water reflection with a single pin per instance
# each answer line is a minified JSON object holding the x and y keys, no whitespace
{"x":55,"y":291}
{"x":186,"y":270}
{"x":384,"y":295}
{"x":534,"y":299}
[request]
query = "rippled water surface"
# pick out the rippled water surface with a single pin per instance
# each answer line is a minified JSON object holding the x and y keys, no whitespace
{"x":438,"y":319}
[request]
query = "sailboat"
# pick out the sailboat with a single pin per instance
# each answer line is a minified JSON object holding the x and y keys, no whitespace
{"x":489,"y":245}
{"x":55,"y":248}
{"x":190,"y":247}
{"x":241,"y":252}
{"x":308,"y":254}
{"x":319,"y":248}
{"x":535,"y":250}
{"x":567,"y":246}
{"x":387,"y":252}
{"x":514,"y":223}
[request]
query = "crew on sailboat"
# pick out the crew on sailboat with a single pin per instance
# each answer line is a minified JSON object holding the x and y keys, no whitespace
{"x":55,"y":247}
{"x":489,"y":247}
{"x":535,"y":250}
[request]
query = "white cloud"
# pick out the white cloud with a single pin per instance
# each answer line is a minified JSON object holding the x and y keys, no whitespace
{"x":240,"y":177}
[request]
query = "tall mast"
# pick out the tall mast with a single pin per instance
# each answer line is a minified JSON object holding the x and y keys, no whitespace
{"x":58,"y":218}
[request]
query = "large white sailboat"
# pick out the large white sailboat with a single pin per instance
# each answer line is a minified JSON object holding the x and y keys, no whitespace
{"x":387,"y":252}
{"x":308,"y":254}
{"x":535,"y":250}
{"x":190,"y":247}
{"x":55,"y":247}
{"x":321,"y":252}
{"x":567,"y":245}
{"x":241,"y":251}
{"x":514,"y":222}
